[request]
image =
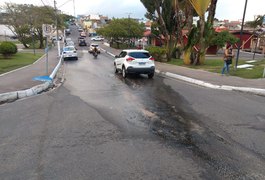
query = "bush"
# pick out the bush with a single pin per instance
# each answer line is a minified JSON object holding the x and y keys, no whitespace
{"x":159,"y":53}
{"x":8,"y":49}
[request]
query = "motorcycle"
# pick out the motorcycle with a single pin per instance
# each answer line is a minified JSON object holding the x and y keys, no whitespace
{"x":95,"y":53}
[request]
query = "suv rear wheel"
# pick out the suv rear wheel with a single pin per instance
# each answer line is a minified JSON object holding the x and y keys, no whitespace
{"x":124,"y":73}
{"x":115,"y":68}
{"x":151,"y":75}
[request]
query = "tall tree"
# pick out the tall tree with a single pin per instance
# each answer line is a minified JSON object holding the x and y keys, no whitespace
{"x":204,"y":30}
{"x":18,"y":21}
{"x":169,"y":17}
{"x":41,"y":15}
{"x":122,"y":30}
{"x":25,"y":19}
{"x":257,"y":22}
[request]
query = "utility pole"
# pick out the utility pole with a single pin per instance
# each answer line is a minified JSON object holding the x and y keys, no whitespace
{"x":129,"y":25}
{"x":32,"y":32}
{"x":74,"y":7}
{"x":241,"y":33}
{"x":56,"y":24}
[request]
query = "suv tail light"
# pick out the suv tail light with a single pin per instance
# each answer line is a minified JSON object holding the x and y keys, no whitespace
{"x":151,"y":58}
{"x":130,"y":59}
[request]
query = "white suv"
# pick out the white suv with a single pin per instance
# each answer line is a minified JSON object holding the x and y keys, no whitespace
{"x":134,"y":62}
{"x":97,"y":38}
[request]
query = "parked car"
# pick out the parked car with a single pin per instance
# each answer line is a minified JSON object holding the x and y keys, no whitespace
{"x":92,"y":46}
{"x":97,"y":38}
{"x":80,"y":30}
{"x":82,"y":42}
{"x":69,"y":52}
{"x":134,"y":62}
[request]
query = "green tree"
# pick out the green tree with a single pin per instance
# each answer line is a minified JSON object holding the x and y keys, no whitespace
{"x":120,"y":31}
{"x":221,"y":38}
{"x":169,"y":20}
{"x":24,"y":19}
{"x":257,"y":22}
{"x":40,"y":15}
{"x":17,"y":21}
{"x":204,"y":31}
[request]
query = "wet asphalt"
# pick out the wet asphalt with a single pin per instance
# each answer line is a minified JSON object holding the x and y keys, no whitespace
{"x":98,"y":125}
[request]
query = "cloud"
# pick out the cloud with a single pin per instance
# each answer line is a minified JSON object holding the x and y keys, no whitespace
{"x":233,"y":9}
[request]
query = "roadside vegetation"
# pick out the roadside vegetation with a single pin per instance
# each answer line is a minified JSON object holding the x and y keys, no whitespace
{"x":216,"y":65}
{"x":17,"y":60}
{"x":26,"y":21}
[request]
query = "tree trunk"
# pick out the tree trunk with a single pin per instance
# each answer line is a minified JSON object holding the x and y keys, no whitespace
{"x":202,"y":46}
{"x":212,"y":10}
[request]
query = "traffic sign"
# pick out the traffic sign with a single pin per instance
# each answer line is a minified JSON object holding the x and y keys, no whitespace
{"x":46,"y":29}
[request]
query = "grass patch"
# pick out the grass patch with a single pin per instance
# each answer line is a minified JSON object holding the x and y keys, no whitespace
{"x":17,"y":61}
{"x":15,"y":42}
{"x":216,"y":65}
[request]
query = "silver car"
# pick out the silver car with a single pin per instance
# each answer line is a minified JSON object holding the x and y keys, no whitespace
{"x":69,"y":52}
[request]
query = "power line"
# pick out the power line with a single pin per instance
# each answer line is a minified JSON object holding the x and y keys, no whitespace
{"x":46,"y":6}
{"x":48,"y":2}
{"x":64,"y":3}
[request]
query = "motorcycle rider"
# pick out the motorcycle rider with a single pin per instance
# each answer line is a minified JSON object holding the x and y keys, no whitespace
{"x":95,"y":51}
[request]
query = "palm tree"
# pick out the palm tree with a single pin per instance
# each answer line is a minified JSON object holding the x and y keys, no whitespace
{"x":204,"y":31}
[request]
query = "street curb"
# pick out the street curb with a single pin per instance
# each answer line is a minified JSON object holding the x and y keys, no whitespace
{"x":256,"y":91}
{"x":15,"y":95}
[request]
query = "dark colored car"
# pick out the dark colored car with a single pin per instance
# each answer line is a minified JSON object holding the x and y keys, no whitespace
{"x":82,"y":42}
{"x":67,"y":31}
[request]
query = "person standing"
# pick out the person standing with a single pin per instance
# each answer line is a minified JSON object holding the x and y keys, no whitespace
{"x":228,"y":57}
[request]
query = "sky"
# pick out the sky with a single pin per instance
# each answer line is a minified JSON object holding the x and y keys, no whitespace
{"x":226,"y":9}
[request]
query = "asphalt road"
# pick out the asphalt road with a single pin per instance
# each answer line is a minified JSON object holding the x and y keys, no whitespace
{"x":98,"y":125}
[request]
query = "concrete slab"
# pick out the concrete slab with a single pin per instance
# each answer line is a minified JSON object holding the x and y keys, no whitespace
{"x":245,"y":66}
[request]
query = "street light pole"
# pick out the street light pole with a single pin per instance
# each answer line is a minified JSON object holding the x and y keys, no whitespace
{"x":32,"y":31}
{"x":57,"y":34}
{"x":241,"y":33}
{"x":74,"y":7}
{"x":129,"y":25}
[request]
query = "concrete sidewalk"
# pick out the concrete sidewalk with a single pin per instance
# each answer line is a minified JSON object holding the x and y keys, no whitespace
{"x":205,"y":78}
{"x":22,"y":78}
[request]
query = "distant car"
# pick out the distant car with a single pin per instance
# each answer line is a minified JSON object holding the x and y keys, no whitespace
{"x":83,"y":34}
{"x":92,"y":34}
{"x":80,"y":30}
{"x":67,"y":40}
{"x":134,"y":62}
{"x":97,"y":38}
{"x":69,"y":43}
{"x":92,"y":46}
{"x":82,"y":42}
{"x":67,"y":31}
{"x":69,"y":52}
{"x":54,"y":38}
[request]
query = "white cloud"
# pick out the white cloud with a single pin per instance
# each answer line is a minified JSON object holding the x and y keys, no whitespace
{"x":233,"y":9}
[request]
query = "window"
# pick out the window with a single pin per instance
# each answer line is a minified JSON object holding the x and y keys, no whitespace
{"x":123,"y":54}
{"x":139,"y":54}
